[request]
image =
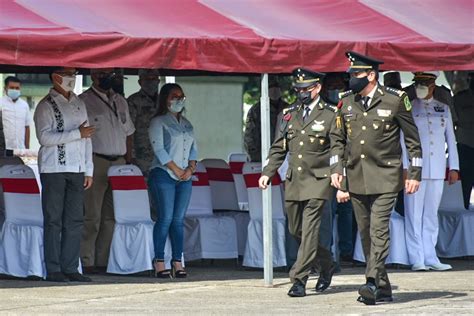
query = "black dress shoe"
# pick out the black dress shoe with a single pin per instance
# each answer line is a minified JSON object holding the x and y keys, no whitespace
{"x":90,"y":270}
{"x":325,"y":279}
{"x":77,"y":277}
{"x":380,"y":298}
{"x":368,"y":292}
{"x":56,"y":277}
{"x":297,"y":290}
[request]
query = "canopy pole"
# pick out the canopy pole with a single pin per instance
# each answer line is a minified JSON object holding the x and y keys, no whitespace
{"x":266,"y":194}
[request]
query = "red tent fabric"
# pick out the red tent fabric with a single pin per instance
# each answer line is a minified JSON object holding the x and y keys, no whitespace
{"x":245,"y":36}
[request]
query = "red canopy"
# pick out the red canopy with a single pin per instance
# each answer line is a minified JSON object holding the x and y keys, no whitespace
{"x":244,"y":36}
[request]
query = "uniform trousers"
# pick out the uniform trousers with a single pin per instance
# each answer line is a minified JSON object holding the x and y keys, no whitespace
{"x":421,"y":222}
{"x":372,"y":214}
{"x":99,"y":219}
{"x":304,"y":220}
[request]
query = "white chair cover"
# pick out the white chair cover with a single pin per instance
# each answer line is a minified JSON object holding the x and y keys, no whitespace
{"x":21,"y":245}
{"x":3,"y":162}
{"x":236,"y":163}
{"x":398,"y":249}
{"x":207,"y":236}
{"x":456,"y":237}
{"x":131,"y":250}
{"x":253,"y":256}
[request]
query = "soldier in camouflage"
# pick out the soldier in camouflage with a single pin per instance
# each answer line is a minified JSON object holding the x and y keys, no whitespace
{"x":252,"y":136}
{"x":143,"y":106}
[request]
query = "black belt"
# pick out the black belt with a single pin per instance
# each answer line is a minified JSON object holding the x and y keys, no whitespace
{"x":107,"y":157}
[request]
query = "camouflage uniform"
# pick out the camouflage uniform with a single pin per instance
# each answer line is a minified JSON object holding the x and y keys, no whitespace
{"x":252,"y":136}
{"x":142,"y":109}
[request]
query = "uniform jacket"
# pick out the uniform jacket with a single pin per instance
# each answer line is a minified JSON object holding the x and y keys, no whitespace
{"x":308,"y":147}
{"x":371,"y":140}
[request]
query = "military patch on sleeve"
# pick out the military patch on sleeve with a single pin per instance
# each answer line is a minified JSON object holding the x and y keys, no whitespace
{"x":407,"y":103}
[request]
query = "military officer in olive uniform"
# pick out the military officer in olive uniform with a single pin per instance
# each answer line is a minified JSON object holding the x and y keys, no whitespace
{"x":368,"y":125}
{"x":305,"y":137}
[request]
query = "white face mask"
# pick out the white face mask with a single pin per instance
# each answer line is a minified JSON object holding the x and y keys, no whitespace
{"x":274,"y":93}
{"x":68,"y":83}
{"x":176,"y":105}
{"x":421,"y":91}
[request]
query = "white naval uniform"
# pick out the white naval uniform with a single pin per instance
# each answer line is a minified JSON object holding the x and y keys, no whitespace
{"x":435,"y":127}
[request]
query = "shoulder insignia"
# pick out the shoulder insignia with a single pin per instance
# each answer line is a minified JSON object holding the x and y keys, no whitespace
{"x":345,"y":94}
{"x":394,"y":91}
{"x":290,"y":109}
{"x":407,"y":103}
{"x":331,"y":107}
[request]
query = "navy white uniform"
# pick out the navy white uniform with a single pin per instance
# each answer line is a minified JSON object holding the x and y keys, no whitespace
{"x":435,"y":127}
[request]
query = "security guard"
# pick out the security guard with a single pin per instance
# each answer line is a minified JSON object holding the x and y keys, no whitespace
{"x":435,"y":126}
{"x":143,"y":106}
{"x":305,"y":138}
{"x":464,"y":107}
{"x":368,"y":125}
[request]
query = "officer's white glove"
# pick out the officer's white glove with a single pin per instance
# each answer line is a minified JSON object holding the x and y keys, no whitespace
{"x":263,"y":182}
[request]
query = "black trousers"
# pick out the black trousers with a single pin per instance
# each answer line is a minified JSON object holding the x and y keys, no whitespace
{"x":466,"y":164}
{"x":63,"y":212}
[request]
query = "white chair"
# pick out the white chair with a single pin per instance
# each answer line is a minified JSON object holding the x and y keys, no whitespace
{"x":207,"y":236}
{"x":224,"y":197}
{"x":253,"y":256}
{"x":455,"y":238}
{"x":398,"y":248}
{"x":131,"y":250}
{"x":21,"y":245}
{"x":236,"y":163}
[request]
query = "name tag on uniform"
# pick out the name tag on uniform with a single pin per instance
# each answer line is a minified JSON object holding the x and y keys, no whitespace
{"x":439,"y":109}
{"x":384,"y":113}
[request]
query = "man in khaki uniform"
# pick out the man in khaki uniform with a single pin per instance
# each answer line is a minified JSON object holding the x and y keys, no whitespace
{"x":305,"y":138}
{"x":112,"y":145}
{"x":368,"y":126}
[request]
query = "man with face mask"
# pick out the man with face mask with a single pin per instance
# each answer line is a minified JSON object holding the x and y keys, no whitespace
{"x":435,"y":127}
{"x":112,"y":145}
{"x":441,"y":93}
{"x":305,"y":138}
{"x":143,"y":106}
{"x":16,"y":116}
{"x":65,"y":165}
{"x":464,"y":107}
{"x":365,"y":146}
{"x":252,"y":135}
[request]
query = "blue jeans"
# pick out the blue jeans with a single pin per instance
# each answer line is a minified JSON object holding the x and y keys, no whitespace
{"x":171,"y":199}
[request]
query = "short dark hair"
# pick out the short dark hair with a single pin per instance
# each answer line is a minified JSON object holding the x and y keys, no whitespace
{"x":164,"y":93}
{"x":11,"y":79}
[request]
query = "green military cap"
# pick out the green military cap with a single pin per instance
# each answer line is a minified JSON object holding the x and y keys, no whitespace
{"x":304,"y":78}
{"x":360,"y":62}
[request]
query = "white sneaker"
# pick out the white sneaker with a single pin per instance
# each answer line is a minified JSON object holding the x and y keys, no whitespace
{"x":419,"y":267}
{"x":440,"y":267}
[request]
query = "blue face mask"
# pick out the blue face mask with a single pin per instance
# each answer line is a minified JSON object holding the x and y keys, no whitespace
{"x":176,"y":105}
{"x":13,"y":94}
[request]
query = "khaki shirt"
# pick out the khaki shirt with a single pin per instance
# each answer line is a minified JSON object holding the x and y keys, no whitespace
{"x":307,"y":145}
{"x":111,"y":117}
{"x":371,"y":140}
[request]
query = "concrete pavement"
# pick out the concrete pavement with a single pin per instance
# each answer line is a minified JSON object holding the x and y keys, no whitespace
{"x":225,"y":288}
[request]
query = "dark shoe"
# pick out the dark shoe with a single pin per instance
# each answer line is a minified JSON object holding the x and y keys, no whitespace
{"x":90,"y":270}
{"x":346,"y":258}
{"x":380,"y":298}
{"x":161,"y":274}
{"x":77,"y":277}
{"x":56,"y":277}
{"x":325,"y":279}
{"x":369,"y":293}
{"x":297,"y":290}
{"x":178,"y":274}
